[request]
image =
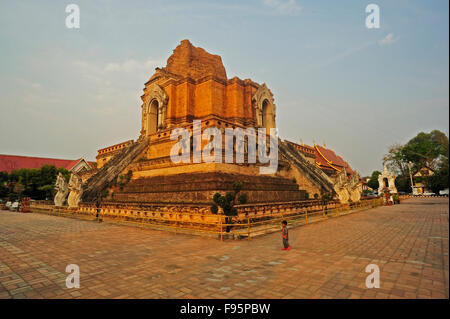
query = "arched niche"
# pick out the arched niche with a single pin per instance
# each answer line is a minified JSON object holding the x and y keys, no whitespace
{"x":152,"y":117}
{"x":265,"y":110}
{"x":386,"y":180}
{"x":154,"y":111}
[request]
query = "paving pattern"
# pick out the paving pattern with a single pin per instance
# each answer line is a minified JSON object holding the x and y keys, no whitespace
{"x":408,"y":242}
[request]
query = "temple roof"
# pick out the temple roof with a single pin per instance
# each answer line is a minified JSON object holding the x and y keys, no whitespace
{"x":326,"y":158}
{"x":194,"y":62}
{"x":9,"y":163}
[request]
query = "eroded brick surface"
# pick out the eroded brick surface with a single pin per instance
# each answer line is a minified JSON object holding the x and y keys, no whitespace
{"x":409,"y":243}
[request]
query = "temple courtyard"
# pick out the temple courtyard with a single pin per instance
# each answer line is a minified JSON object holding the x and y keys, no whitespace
{"x":408,"y":242}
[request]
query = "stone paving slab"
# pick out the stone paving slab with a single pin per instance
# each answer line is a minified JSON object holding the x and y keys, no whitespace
{"x":409,"y":243}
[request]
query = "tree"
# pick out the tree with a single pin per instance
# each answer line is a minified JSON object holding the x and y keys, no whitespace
{"x":426,"y":150}
{"x":429,"y":150}
{"x":439,"y":180}
{"x":373,"y":181}
{"x":403,"y":183}
{"x":4,"y":179}
{"x":325,"y":198}
{"x":19,"y":188}
{"x":227,"y":203}
{"x":395,"y":160}
{"x":34,"y":183}
{"x":48,"y":190}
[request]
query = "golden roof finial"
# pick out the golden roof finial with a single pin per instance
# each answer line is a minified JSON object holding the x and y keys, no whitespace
{"x":324,"y":144}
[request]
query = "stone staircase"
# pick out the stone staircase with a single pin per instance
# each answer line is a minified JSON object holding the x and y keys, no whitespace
{"x":97,"y":183}
{"x":297,"y":159}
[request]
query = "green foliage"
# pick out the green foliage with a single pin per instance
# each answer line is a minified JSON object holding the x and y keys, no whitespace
{"x":13,"y":197}
{"x":429,"y":150}
{"x":228,"y":201}
{"x":316,"y":196}
{"x":237,"y":186}
{"x":216,"y":197}
{"x":426,"y":149}
{"x":306,"y":195}
{"x":242,"y":199}
{"x":396,"y":199}
{"x":439,"y":180}
{"x":229,"y":197}
{"x":403,"y":183}
{"x":19,"y":188}
{"x":395,"y":160}
{"x":48,"y":190}
{"x":214,"y":209}
{"x":373,"y":181}
{"x":4,"y":179}
{"x":325,"y":198}
{"x":123,"y":180}
{"x":129,"y":174}
{"x":35,"y":183}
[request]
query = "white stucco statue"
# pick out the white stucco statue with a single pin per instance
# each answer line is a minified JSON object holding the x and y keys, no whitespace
{"x":62,"y":190}
{"x":341,"y":187}
{"x":76,"y":190}
{"x":390,"y":181}
{"x":355,"y":188}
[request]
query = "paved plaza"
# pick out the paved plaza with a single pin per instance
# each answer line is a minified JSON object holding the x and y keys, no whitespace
{"x":409,"y":243}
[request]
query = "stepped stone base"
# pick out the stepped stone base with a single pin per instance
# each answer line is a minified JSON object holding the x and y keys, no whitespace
{"x":201,"y":187}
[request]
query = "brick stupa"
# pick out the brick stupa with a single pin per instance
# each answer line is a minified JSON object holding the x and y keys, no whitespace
{"x":194,"y":86}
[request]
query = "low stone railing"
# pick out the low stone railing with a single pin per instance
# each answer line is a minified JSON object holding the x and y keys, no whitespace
{"x":251,"y":218}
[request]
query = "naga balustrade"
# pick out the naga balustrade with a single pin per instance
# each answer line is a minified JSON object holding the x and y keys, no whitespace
{"x":252,"y":219}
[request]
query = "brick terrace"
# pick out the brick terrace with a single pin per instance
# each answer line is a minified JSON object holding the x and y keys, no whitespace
{"x":409,"y":242}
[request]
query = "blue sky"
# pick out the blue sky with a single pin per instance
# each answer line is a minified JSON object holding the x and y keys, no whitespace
{"x":67,"y":92}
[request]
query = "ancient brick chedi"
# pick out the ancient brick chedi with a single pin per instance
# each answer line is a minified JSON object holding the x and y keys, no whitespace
{"x":190,"y":62}
{"x":194,"y":86}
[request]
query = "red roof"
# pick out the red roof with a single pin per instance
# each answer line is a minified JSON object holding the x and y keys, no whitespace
{"x":8,"y":163}
{"x":328,"y":159}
